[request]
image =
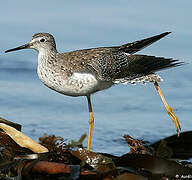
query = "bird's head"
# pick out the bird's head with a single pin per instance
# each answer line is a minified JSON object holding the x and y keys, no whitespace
{"x":39,"y":42}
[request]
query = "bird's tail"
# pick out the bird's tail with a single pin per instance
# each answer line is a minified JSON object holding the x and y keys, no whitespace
{"x":142,"y":68}
{"x":143,"y":64}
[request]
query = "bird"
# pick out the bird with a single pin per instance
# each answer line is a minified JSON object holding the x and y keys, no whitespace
{"x":84,"y":72}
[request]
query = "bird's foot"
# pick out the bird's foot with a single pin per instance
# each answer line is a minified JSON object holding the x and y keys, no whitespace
{"x":174,"y":118}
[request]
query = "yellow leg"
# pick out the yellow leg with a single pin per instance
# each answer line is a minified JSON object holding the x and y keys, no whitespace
{"x":169,"y":109}
{"x":91,"y":122}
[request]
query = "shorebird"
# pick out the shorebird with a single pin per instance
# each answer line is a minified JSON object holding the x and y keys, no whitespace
{"x":84,"y":72}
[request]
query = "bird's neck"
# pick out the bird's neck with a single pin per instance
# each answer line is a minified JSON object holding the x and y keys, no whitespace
{"x":45,"y":56}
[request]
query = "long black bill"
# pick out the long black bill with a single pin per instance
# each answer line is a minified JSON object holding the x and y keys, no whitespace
{"x":18,"y":48}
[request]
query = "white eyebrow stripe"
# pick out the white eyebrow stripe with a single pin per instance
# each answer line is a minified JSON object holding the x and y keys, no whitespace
{"x":34,"y":40}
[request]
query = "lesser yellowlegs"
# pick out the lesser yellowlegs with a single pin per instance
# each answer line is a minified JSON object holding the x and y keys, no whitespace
{"x":84,"y":72}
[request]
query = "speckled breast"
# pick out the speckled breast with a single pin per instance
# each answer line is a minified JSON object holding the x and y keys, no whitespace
{"x":78,"y":84}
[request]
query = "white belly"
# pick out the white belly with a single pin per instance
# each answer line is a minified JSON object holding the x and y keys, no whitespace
{"x":79,"y":84}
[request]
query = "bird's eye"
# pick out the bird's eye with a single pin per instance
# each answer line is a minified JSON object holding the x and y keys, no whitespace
{"x":42,"y":40}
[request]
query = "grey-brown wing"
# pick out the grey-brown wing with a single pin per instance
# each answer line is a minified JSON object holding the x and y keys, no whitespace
{"x":119,"y":65}
{"x":142,"y":65}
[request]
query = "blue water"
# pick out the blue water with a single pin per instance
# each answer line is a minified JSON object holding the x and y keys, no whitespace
{"x":136,"y":110}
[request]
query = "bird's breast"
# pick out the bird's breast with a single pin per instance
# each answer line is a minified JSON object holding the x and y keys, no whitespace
{"x":78,"y":84}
